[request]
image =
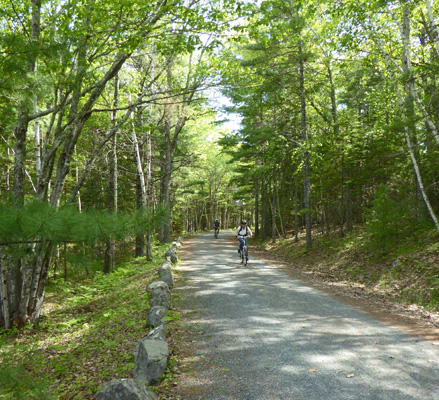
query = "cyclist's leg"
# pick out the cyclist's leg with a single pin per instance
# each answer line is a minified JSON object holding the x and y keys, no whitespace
{"x":244,"y":253}
{"x":241,"y":244}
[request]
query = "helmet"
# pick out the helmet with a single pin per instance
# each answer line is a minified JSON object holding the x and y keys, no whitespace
{"x":217,"y":219}
{"x":243,"y":222}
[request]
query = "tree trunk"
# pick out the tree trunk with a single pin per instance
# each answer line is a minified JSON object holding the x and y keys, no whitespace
{"x":165,"y":236}
{"x":257,"y":207}
{"x":342,"y":197}
{"x":407,"y":69}
{"x":20,"y":131}
{"x":39,"y":282}
{"x":37,"y":143}
{"x":5,"y":313}
{"x":141,"y":185}
{"x":140,"y":236}
{"x":434,"y":37}
{"x":412,"y":154}
{"x":170,"y":145}
{"x":283,"y":217}
{"x":265,"y":208}
{"x":349,"y":213}
{"x":306,"y":161}
{"x":19,"y":272}
{"x":273,"y":211}
{"x":25,"y":293}
{"x":149,"y":187}
{"x":296,"y":211}
{"x":112,"y":186}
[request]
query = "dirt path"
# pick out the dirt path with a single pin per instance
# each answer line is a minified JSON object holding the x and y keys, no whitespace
{"x":261,"y":333}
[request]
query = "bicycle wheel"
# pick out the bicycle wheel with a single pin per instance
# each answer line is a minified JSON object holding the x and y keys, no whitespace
{"x":243,"y":258}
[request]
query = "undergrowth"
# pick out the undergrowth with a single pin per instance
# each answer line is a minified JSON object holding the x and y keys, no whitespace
{"x":85,"y":335}
{"x":407,"y":271}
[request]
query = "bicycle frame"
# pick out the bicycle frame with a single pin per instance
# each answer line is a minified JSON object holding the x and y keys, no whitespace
{"x":244,"y":252}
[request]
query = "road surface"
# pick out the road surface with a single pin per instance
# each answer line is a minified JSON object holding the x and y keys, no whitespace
{"x":262,"y":334}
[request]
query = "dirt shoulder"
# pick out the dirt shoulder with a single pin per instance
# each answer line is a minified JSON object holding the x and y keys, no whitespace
{"x":380,"y":302}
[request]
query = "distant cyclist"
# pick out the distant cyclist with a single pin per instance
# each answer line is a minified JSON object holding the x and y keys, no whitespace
{"x":216,"y":227}
{"x":242,"y":233}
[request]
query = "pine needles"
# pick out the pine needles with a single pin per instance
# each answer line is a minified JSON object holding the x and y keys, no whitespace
{"x":39,"y":222}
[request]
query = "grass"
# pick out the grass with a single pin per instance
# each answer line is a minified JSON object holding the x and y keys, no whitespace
{"x":414,"y":279}
{"x":85,"y":336}
{"x":90,"y":324}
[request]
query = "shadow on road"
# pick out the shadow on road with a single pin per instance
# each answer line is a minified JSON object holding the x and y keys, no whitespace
{"x":261,"y":334}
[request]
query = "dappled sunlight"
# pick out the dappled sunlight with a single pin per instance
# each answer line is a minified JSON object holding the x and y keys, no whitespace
{"x":86,"y":335}
{"x":264,"y":320}
{"x":257,"y":321}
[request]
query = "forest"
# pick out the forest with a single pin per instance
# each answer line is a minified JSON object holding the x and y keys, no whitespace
{"x":114,"y":134}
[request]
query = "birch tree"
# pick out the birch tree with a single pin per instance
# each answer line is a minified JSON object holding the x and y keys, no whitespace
{"x":86,"y":53}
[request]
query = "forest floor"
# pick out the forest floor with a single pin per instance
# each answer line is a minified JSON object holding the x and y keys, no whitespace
{"x":89,"y":326}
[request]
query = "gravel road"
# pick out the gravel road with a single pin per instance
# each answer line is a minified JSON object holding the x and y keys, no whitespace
{"x":263,"y":335}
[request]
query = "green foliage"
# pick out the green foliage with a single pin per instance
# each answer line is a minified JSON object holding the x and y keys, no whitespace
{"x":85,"y":337}
{"x":16,"y":384}
{"x":386,"y":220}
{"x":38,"y":221}
{"x":381,"y":219}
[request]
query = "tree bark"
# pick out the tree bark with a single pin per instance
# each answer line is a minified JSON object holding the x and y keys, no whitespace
{"x":141,"y":184}
{"x":264,"y":211}
{"x":434,"y":37}
{"x":306,"y":158}
{"x":170,"y":135}
{"x":412,"y":153}
{"x":149,"y":186}
{"x":349,"y":213}
{"x":112,"y":184}
{"x":20,"y":273}
{"x":20,"y":131}
{"x":404,"y":29}
{"x":256,"y":207}
{"x":140,"y":236}
{"x":37,"y":143}
{"x":273,"y":211}
{"x":6,"y":317}
{"x":296,"y":211}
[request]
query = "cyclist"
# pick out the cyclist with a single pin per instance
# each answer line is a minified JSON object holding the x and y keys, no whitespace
{"x":242,"y":233}
{"x":216,"y":227}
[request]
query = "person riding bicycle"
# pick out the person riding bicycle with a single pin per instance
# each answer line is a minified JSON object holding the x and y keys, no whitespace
{"x":216,"y":226}
{"x":242,"y":233}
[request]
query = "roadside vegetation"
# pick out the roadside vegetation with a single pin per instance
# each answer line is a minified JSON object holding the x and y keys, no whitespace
{"x":113,"y":131}
{"x":89,"y":326}
{"x":404,"y":269}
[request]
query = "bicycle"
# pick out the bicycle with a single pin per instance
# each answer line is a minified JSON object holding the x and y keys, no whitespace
{"x":244,"y":253}
{"x":215,"y":233}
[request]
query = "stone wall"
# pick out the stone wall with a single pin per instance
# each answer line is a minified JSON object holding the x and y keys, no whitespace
{"x":151,"y":353}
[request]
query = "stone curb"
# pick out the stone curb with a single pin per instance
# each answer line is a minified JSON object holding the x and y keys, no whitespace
{"x":151,"y":353}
